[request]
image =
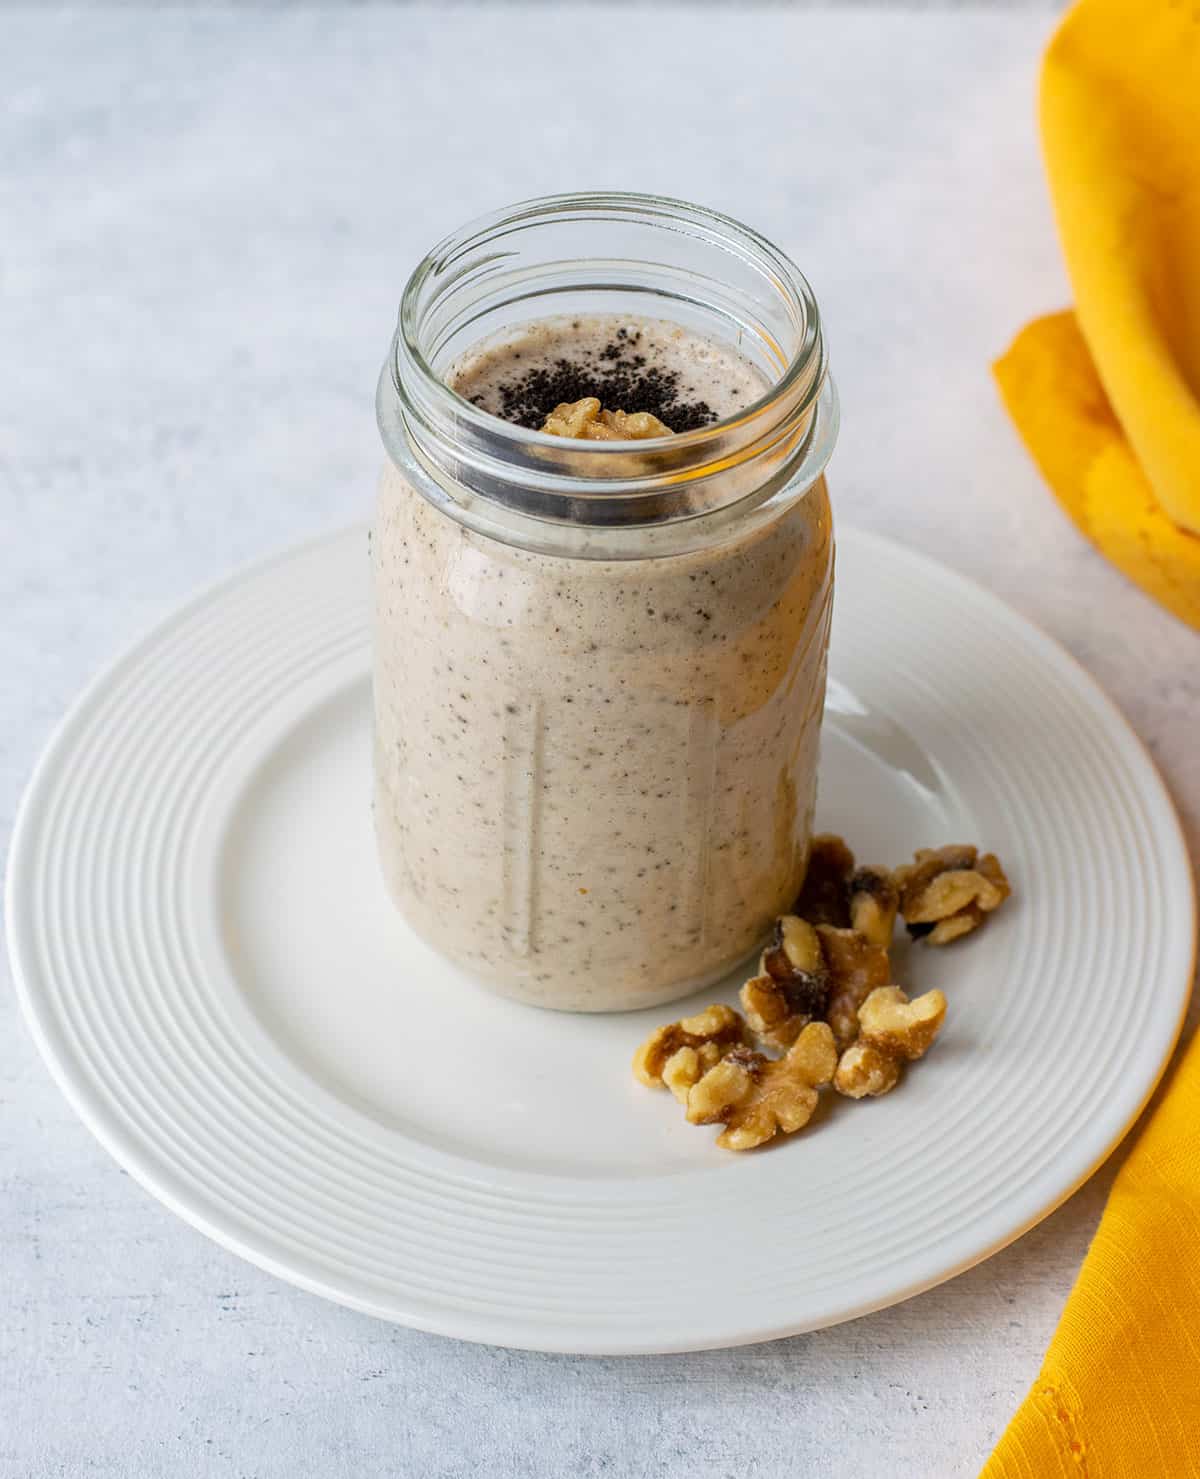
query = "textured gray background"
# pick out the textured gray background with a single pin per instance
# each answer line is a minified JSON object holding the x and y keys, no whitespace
{"x":205,"y":221}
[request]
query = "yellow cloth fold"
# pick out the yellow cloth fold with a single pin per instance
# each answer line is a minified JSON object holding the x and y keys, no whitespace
{"x":1050,"y":385}
{"x":1108,"y":399}
{"x":1118,"y":1396}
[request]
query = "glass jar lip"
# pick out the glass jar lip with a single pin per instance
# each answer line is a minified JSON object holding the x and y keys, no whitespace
{"x":716,"y":227}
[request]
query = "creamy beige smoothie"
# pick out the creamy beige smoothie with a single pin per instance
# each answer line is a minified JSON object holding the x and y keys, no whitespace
{"x":595,"y":778}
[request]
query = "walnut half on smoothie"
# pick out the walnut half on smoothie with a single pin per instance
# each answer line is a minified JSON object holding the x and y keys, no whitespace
{"x":586,"y":420}
{"x":595,"y":773}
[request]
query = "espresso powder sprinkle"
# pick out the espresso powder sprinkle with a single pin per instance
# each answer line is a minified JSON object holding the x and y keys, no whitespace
{"x":617,"y":376}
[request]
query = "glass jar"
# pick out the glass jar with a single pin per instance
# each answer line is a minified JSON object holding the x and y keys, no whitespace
{"x":600,"y":667}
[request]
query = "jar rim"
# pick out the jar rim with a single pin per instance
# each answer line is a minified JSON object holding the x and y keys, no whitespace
{"x":601,"y":498}
{"x":719,"y":229}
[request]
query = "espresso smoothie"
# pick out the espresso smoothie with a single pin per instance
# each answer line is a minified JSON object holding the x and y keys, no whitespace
{"x":594,"y":777}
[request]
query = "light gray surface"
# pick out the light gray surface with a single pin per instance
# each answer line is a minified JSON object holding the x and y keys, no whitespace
{"x":207,"y":221}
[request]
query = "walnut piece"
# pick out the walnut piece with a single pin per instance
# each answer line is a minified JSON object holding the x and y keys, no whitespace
{"x":755,"y":1097}
{"x":856,"y":967}
{"x":874,"y":899}
{"x":635,"y":426}
{"x":792,"y":986}
{"x":585,"y":421}
{"x":677,"y":1055}
{"x":945,"y":892}
{"x":825,"y":896}
{"x":892,"y":1031}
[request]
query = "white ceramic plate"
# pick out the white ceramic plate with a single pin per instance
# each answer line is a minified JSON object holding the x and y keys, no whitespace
{"x":208,"y":963}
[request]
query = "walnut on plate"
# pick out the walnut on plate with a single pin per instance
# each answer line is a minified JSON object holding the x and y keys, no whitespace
{"x":857,"y":965}
{"x":585,"y":421}
{"x":874,"y":900}
{"x":677,"y":1055}
{"x":892,"y":1031}
{"x":945,"y":892}
{"x":825,"y":895}
{"x":755,"y":1098}
{"x":792,"y":985}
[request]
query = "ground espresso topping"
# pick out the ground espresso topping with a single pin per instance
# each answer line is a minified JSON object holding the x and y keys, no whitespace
{"x":616,"y":375}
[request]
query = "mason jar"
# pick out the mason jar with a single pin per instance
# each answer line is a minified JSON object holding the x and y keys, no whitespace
{"x":599,"y":667}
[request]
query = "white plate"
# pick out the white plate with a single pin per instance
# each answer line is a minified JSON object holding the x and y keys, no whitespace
{"x":206,"y":957}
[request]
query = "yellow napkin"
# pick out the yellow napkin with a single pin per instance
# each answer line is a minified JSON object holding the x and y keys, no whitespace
{"x":1108,"y":401}
{"x":1118,"y":1396}
{"x":1108,"y":398}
